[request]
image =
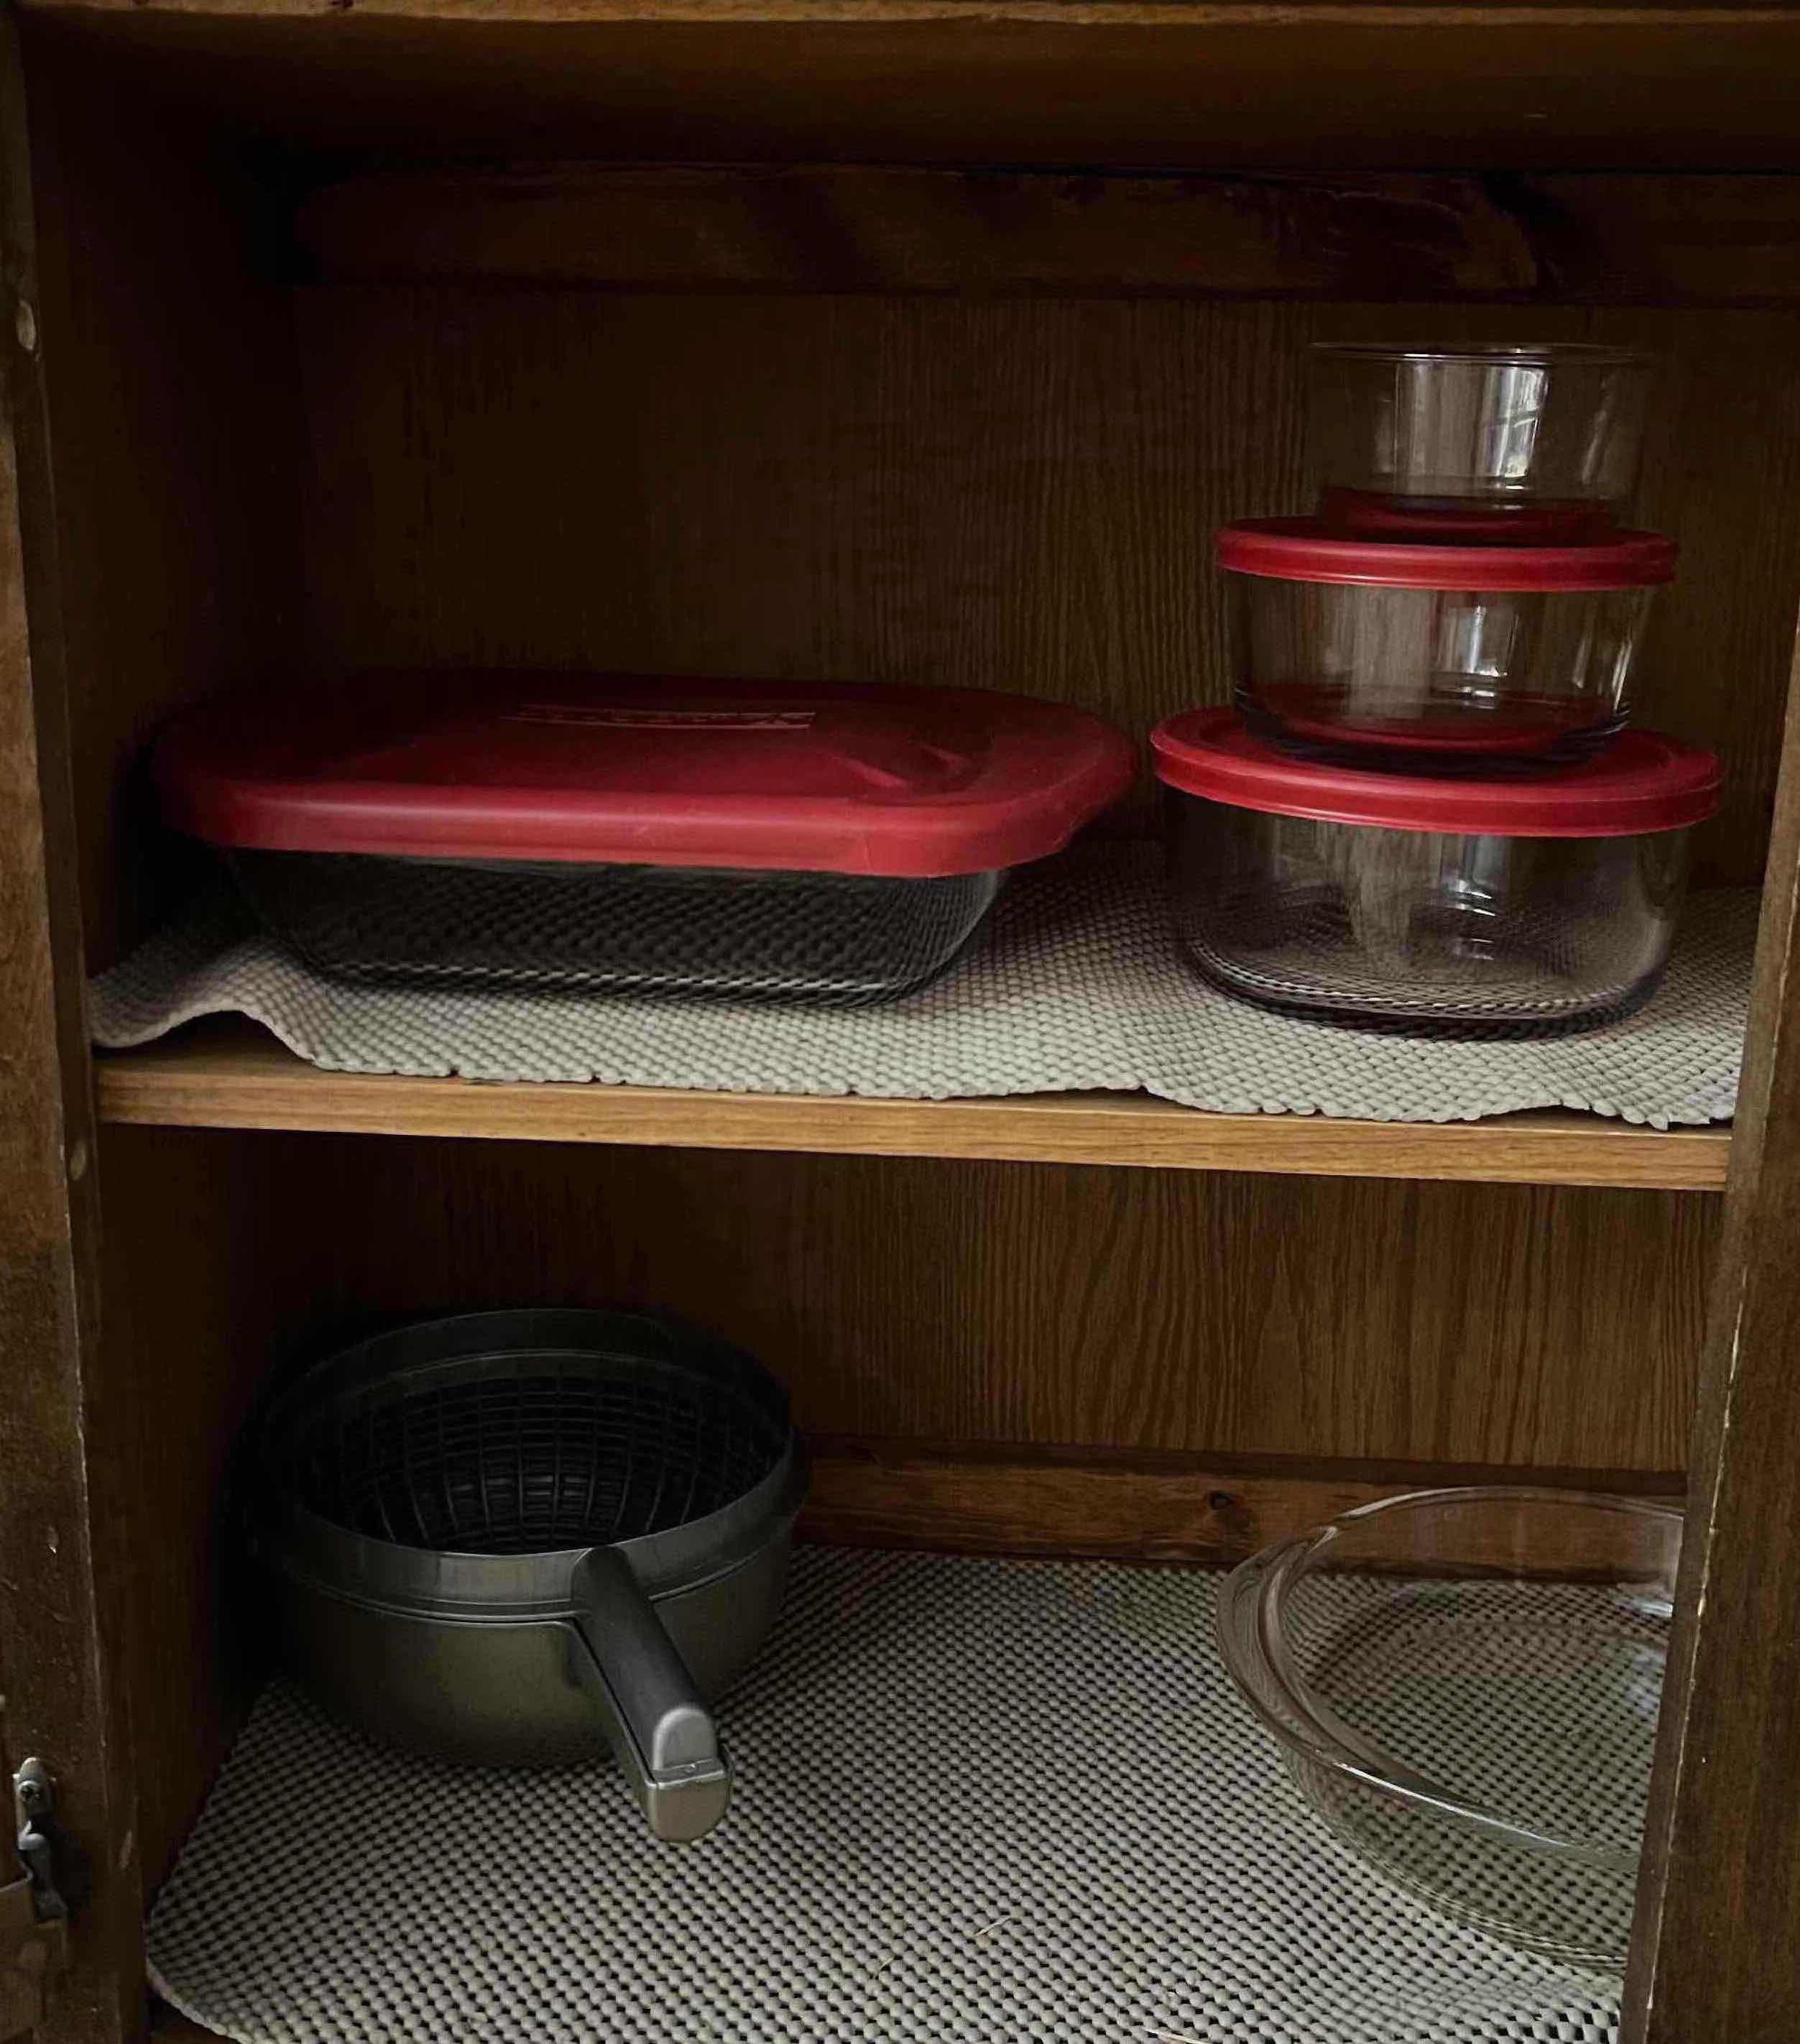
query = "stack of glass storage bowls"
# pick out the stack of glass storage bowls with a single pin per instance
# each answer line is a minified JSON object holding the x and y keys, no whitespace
{"x":1426,"y":811}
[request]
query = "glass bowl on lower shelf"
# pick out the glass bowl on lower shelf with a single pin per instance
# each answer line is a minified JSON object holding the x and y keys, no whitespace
{"x":1465,"y":1685}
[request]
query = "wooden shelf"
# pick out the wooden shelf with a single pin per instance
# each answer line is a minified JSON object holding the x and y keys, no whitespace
{"x":1165,"y":83}
{"x":230,"y":1076}
{"x":910,"y":231}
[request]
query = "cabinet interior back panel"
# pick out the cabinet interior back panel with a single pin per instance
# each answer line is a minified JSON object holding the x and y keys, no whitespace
{"x":1054,"y":1304}
{"x":1013,"y":494}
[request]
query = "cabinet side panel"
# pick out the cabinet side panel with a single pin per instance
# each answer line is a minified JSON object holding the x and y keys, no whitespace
{"x":169,"y":371}
{"x":62,"y":1536}
{"x":1715,"y":1953}
{"x":151,"y":409}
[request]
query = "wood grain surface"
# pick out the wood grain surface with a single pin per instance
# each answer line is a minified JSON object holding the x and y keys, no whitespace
{"x":227,"y":1073}
{"x":200,"y":1297}
{"x":1013,"y":495}
{"x":1715,"y":1953}
{"x":1210,"y":1509}
{"x":154,"y":476}
{"x":1657,"y":241}
{"x":1168,"y":84}
{"x":64,"y":1556}
{"x":1012,"y":1303}
{"x":171,"y":381}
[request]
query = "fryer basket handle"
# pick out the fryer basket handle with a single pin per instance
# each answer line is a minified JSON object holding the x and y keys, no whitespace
{"x":660,"y":1733}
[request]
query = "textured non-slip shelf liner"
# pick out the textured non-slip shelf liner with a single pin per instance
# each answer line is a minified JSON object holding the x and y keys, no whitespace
{"x":976,"y":1800}
{"x":1078,"y":986}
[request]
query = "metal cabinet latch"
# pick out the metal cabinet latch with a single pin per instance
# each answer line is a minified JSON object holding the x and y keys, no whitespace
{"x":34,"y":1916}
{"x":41,"y":1843}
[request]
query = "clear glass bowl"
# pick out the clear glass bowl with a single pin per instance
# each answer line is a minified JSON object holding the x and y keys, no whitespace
{"x":1465,"y":1685}
{"x":1446,"y":905}
{"x":1540,"y":444}
{"x":1429,"y":657}
{"x":1433,"y":679}
{"x":1427,"y":933}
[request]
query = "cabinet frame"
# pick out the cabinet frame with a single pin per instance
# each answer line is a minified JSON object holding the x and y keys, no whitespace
{"x":1716,"y":1956}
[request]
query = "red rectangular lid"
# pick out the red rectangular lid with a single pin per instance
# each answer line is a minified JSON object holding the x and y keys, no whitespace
{"x":822,"y":777}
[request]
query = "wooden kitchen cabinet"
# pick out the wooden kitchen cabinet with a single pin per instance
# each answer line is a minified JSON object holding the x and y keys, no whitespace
{"x":893,"y":339}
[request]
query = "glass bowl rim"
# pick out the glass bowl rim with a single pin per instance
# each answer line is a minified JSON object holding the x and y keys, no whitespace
{"x":1547,"y":353}
{"x":1247,"y":1622}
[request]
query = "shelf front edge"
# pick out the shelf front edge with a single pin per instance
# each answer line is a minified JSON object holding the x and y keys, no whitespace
{"x":244,"y":1084}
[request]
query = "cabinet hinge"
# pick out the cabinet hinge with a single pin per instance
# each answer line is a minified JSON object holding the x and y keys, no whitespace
{"x":34,"y":1916}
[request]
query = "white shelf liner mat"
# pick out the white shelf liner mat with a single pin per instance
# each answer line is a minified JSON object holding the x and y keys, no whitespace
{"x":1078,"y":986}
{"x":978,"y":1800}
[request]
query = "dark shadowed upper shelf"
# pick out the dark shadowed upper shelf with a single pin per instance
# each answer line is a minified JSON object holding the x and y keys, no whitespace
{"x":1154,"y":83}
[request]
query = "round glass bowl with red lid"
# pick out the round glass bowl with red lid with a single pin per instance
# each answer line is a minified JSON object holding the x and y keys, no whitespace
{"x":1429,"y":657}
{"x":1537,"y":445}
{"x":1437,"y":906}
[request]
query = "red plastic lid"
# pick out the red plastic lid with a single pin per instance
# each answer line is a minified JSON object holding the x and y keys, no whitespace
{"x":1522,"y":522}
{"x":822,"y":777}
{"x":1643,"y":781}
{"x":1307,"y":712}
{"x":1310,"y":550}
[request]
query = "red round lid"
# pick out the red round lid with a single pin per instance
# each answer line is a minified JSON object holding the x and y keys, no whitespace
{"x":819,"y":777}
{"x":1309,"y":550}
{"x":1643,"y":781}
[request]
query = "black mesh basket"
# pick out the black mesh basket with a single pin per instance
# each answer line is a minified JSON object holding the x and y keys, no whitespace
{"x":493,"y":1458}
{"x":837,"y":938}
